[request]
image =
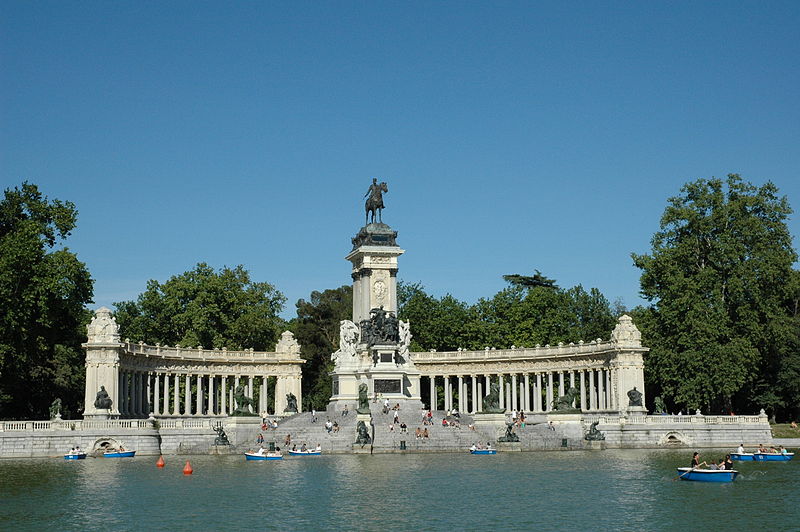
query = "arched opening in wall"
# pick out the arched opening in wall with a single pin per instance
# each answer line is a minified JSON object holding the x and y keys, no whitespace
{"x":105,"y":444}
{"x":673,"y":439}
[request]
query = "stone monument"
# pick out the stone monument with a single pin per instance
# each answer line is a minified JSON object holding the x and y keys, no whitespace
{"x":102,"y":367}
{"x":374,"y":344}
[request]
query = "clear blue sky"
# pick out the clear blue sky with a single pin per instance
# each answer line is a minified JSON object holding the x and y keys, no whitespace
{"x":513,"y":135}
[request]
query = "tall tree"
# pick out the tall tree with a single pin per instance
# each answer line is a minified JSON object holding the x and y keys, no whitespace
{"x":316,"y":328}
{"x":43,"y":292}
{"x":202,"y":307}
{"x":717,"y":277}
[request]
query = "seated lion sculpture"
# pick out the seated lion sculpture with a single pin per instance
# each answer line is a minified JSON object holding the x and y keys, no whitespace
{"x":362,"y":434}
{"x":563,"y":404}
{"x":491,"y":403}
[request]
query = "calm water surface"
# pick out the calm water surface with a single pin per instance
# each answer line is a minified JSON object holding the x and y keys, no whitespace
{"x":613,"y":490}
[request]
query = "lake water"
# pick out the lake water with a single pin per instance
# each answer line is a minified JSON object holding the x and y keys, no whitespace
{"x":614,"y":490}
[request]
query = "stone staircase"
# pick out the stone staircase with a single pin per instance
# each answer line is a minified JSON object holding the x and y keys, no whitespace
{"x":536,"y":435}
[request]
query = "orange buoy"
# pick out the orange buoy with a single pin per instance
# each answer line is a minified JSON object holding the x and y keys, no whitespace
{"x":187,"y":469}
{"x":160,"y":462}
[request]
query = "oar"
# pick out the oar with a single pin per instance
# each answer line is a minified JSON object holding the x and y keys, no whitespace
{"x":684,"y":473}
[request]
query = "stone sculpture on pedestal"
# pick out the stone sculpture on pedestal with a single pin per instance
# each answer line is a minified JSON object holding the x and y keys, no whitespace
{"x":491,"y":403}
{"x":362,"y":434}
{"x":593,"y":434}
{"x":55,"y":409}
{"x":102,"y":400}
{"x":563,"y":405}
{"x":363,"y":399}
{"x":634,"y":397}
{"x":243,"y":403}
{"x":291,"y":403}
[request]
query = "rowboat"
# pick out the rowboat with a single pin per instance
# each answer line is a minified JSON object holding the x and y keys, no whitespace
{"x":119,"y":454}
{"x":75,"y":456}
{"x":772,"y":457}
{"x":707,"y":475}
{"x":742,"y":457}
{"x":483,"y":451}
{"x":306,"y":453}
{"x":265,"y":456}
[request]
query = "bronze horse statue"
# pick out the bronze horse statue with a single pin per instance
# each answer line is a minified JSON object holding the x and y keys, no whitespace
{"x":375,"y":200}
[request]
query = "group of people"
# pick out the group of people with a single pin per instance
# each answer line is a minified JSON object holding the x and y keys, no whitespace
{"x":763,"y":450}
{"x":518,"y":418}
{"x":422,"y":434}
{"x":331,"y":426}
{"x":723,"y":463}
{"x":479,"y":446}
{"x":267,"y":424}
{"x":76,"y":450}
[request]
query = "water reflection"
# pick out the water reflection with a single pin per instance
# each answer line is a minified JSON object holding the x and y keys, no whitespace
{"x":619,"y":490}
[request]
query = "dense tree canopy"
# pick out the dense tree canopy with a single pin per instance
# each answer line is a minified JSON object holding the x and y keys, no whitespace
{"x":523,"y":315}
{"x":316,"y":328}
{"x":723,"y":323}
{"x":43,"y":293}
{"x":202,"y":307}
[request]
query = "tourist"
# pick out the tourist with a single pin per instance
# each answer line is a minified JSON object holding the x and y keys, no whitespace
{"x":783,"y":450}
{"x":335,"y":427}
{"x":473,"y":448}
{"x":430,"y":417}
{"x":425,"y":433}
{"x":761,"y":448}
{"x":455,"y":413}
{"x":403,"y":428}
{"x":551,"y":426}
{"x":328,"y":426}
{"x":303,"y":448}
{"x":488,"y":445}
{"x":288,"y":440}
{"x":396,"y":417}
{"x":712,"y":465}
{"x":386,"y":404}
{"x":418,"y":433}
{"x":313,"y":415}
{"x":391,"y":427}
{"x":345,"y":411}
{"x":260,"y":451}
{"x":444,"y":421}
{"x":260,"y":438}
{"x":728,"y":463}
{"x":696,"y":461}
{"x":294,"y":447}
{"x":318,"y":448}
{"x":471,"y":426}
{"x":275,"y":424}
{"x":740,"y":449}
{"x":773,"y":450}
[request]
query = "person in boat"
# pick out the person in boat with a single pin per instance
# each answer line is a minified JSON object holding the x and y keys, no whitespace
{"x":773,"y":450}
{"x":303,"y":448}
{"x":696,"y":461}
{"x":740,"y":449}
{"x":712,"y":465}
{"x":294,"y":447}
{"x":260,"y":451}
{"x":761,"y":448}
{"x":783,"y":450}
{"x":728,"y":463}
{"x":318,"y":448}
{"x":488,"y":445}
{"x":473,"y":448}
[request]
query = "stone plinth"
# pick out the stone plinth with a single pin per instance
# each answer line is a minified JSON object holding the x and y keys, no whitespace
{"x":220,"y":449}
{"x":489,"y":421}
{"x":558,"y":419}
{"x":101,"y":413}
{"x":509,"y":446}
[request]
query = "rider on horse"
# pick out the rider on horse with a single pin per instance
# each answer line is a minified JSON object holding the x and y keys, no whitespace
{"x":374,"y":197}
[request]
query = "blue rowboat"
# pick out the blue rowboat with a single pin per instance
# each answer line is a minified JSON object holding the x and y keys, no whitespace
{"x":74,"y":456}
{"x":772,"y":457}
{"x":119,"y":454}
{"x":707,"y":475}
{"x":305,"y":453}
{"x":742,"y":457}
{"x":267,"y":456}
{"x":483,"y":451}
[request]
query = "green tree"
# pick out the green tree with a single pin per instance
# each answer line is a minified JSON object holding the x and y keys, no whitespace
{"x":43,"y":292}
{"x":316,"y":328}
{"x":202,"y":307}
{"x":717,"y":277}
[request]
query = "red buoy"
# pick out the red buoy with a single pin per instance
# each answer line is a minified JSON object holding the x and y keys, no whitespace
{"x":187,"y":469}
{"x":160,"y":462}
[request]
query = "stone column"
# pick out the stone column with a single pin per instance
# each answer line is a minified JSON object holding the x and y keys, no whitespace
{"x":549,"y":397}
{"x":461,"y":404}
{"x":156,"y":395}
{"x":609,"y":395}
{"x":199,"y":402}
{"x":123,"y":389}
{"x":514,"y":402}
{"x":212,"y":395}
{"x":583,"y":391}
{"x":502,"y":387}
{"x":474,"y":393}
{"x":480,"y":396}
{"x":187,"y":396}
{"x":537,"y":393}
{"x":223,"y":395}
{"x":265,"y":394}
{"x":592,"y":391}
{"x":447,"y":393}
{"x":147,"y":392}
{"x":176,"y":395}
{"x":601,"y":388}
{"x":561,"y":390}
{"x":165,"y":393}
{"x":433,"y":401}
{"x":250,"y":392}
